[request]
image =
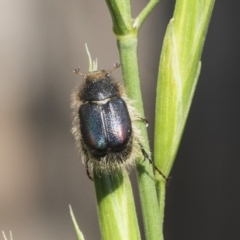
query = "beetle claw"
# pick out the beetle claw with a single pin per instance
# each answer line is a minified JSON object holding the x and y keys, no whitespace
{"x":88,"y":173}
{"x":145,"y":121}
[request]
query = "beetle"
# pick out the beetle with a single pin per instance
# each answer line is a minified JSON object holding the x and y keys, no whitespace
{"x":104,"y":123}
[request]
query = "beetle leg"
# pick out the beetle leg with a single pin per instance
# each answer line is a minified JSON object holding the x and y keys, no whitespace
{"x":145,"y":121}
{"x":88,"y":172}
{"x":146,"y":156}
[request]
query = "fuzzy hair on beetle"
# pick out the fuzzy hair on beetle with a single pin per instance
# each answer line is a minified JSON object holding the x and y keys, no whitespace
{"x":104,"y":122}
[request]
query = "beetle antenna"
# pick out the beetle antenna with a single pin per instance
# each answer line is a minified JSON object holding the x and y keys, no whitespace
{"x":115,"y":66}
{"x":76,"y":70}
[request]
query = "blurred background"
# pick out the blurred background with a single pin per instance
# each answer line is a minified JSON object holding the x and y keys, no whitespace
{"x":40,"y":170}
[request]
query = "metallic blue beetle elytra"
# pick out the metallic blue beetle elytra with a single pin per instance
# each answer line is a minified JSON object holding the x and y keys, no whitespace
{"x":103,"y":123}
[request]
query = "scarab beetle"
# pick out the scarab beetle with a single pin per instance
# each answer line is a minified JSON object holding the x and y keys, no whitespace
{"x":104,"y":123}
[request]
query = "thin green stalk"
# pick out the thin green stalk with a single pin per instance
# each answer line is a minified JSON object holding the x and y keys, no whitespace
{"x":161,"y":189}
{"x":77,"y":229}
{"x":144,"y":13}
{"x":146,"y":183}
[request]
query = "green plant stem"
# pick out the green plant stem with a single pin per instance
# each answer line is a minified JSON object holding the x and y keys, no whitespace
{"x":128,"y":55}
{"x":161,"y":189}
{"x":116,"y":209}
{"x":144,"y":13}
